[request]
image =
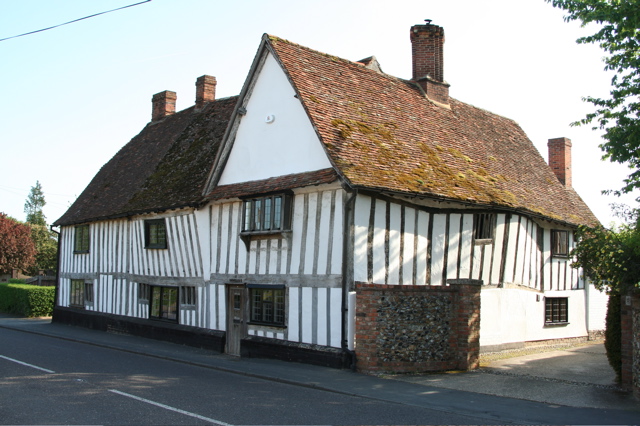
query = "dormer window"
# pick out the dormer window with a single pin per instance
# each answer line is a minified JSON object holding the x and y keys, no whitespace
{"x":267,"y":214}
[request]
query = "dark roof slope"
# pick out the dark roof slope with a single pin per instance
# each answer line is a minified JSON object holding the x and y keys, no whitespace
{"x":383,"y":134}
{"x":164,"y":167}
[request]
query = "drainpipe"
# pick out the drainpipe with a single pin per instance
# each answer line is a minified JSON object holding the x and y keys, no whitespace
{"x":347,"y":267}
{"x":55,"y":292}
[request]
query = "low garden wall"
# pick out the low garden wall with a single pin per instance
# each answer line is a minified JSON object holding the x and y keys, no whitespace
{"x":402,"y":328}
{"x":630,"y":353}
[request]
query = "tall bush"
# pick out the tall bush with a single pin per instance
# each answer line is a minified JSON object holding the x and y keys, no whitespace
{"x":613,"y":335}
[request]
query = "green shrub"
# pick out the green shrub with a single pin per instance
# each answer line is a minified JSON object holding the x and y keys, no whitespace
{"x":613,"y":335}
{"x":16,"y":281}
{"x":27,"y":300}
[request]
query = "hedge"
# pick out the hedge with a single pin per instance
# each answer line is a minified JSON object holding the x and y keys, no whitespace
{"x":27,"y":300}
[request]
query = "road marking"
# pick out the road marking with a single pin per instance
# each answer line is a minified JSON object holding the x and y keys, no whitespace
{"x":167,"y":407}
{"x":28,"y":365}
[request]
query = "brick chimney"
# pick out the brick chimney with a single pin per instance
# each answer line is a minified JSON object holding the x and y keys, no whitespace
{"x":164,"y":104}
{"x":427,"y":45}
{"x":560,"y":159}
{"x":205,"y":90}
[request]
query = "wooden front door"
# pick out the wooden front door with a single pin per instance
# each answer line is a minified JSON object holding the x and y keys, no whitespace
{"x":236,"y":318}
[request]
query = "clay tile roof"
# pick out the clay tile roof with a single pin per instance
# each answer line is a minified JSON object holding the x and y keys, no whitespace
{"x":163,"y":167}
{"x":274,"y":184}
{"x":383,"y":134}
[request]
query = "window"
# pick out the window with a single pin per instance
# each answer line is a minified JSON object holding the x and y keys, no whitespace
{"x":164,"y":303}
{"x":144,"y":291}
{"x":88,"y":293}
{"x":559,"y":243}
{"x":155,"y":234}
{"x":267,"y":305}
{"x":483,"y":226}
{"x":556,"y":310}
{"x":81,"y":293}
{"x":77,"y":293}
{"x":270,"y":213}
{"x":81,"y":239}
{"x":188,"y":296}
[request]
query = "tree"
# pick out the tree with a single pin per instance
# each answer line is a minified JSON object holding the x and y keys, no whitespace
{"x":34,"y":204}
{"x":45,"y":241}
{"x":619,"y":115}
{"x":611,"y":259}
{"x":17,"y":250}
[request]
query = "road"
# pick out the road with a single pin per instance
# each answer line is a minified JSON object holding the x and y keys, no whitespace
{"x":46,"y":380}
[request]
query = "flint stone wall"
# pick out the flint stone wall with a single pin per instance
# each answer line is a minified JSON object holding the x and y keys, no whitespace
{"x":417,"y":328}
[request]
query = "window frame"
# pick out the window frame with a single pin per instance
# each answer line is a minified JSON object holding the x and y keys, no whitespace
{"x":555,"y":233}
{"x":278,"y":309}
{"x":81,"y":239}
{"x":77,"y":293}
{"x":88,"y":293}
{"x":188,"y":296}
{"x":164,"y":313}
{"x":150,"y":235}
{"x":556,"y":311}
{"x":484,"y":228}
{"x":144,"y":292}
{"x":275,"y":219}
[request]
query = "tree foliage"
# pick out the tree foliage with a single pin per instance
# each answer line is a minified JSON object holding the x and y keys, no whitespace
{"x":34,"y":205}
{"x":46,"y":241}
{"x":17,"y":250}
{"x":619,"y":115}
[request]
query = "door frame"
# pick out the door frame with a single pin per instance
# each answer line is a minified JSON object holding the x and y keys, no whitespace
{"x":236,"y":318}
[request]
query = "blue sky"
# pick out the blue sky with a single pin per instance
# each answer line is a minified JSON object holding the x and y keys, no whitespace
{"x":74,"y":95}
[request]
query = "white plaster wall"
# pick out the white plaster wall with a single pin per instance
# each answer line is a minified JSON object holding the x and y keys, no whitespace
{"x":287,"y":145}
{"x":597,"y":303}
{"x":514,"y":315}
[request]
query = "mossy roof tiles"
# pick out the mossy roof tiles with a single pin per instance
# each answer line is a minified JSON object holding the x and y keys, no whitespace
{"x":384,"y":134}
{"x":163,"y":167}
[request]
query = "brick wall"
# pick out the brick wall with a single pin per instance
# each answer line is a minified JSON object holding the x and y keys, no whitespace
{"x":417,"y":328}
{"x":630,"y":318}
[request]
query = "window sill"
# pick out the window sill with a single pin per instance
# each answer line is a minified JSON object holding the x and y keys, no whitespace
{"x":155,"y":247}
{"x":81,"y":252}
{"x":483,"y":242}
{"x":248,"y":236}
{"x":265,"y":326}
{"x":556,"y":324}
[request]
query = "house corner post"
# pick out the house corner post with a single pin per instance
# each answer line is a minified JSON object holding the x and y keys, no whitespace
{"x":630,"y":342}
{"x":468,"y":322}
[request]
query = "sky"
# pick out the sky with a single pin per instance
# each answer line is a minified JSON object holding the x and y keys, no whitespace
{"x":72,"y":96}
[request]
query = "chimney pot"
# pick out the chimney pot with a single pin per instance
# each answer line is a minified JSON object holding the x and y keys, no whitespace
{"x":427,"y":47}
{"x":560,"y":159}
{"x":205,"y":90}
{"x":164,"y":104}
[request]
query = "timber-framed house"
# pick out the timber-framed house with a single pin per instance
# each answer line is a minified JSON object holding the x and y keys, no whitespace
{"x":333,"y":214}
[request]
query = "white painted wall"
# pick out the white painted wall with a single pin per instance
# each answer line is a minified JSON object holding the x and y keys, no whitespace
{"x":510,"y":315}
{"x":597,"y":303}
{"x":287,"y":145}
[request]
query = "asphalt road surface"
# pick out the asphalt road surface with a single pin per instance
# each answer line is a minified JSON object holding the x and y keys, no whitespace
{"x":45,"y":380}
